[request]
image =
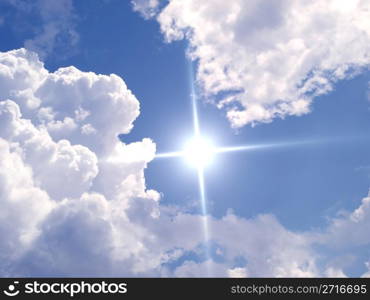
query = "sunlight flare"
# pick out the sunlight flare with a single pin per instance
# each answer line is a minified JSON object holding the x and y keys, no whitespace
{"x":199,"y":152}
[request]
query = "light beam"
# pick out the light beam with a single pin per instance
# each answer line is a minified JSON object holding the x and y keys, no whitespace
{"x":170,"y":154}
{"x":207,"y":148}
{"x":199,"y":152}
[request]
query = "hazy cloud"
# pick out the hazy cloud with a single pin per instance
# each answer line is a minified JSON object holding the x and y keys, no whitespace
{"x":55,"y":30}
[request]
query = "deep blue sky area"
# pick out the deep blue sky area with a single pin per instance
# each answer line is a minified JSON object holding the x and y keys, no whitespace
{"x":300,"y":184}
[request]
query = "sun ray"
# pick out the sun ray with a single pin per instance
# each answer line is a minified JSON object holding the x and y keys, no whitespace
{"x":200,"y":170}
{"x":237,"y":148}
{"x":196,"y":126}
{"x":202,"y":190}
{"x":263,"y":146}
{"x":170,"y":154}
{"x":206,"y":230}
{"x":245,"y":148}
{"x":215,"y":150}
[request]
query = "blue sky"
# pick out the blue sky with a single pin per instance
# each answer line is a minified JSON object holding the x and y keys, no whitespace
{"x":306,"y":187}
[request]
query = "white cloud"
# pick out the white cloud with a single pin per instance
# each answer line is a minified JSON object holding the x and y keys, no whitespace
{"x":71,"y":95}
{"x":23,"y":205}
{"x":265,"y":60}
{"x":55,"y":177}
{"x":20,"y":74}
{"x":86,"y":236}
{"x":62,"y":102}
{"x":54,"y":165}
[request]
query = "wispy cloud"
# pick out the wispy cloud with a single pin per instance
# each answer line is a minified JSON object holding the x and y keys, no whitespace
{"x":54,"y":31}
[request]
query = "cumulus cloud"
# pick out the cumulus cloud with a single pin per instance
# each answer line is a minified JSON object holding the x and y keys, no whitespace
{"x":23,"y":204}
{"x":57,"y":177}
{"x":53,"y":164}
{"x":62,"y":102}
{"x":261,"y":60}
{"x":75,"y":202}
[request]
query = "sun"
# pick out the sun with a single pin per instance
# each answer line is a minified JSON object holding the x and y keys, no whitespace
{"x":199,"y":152}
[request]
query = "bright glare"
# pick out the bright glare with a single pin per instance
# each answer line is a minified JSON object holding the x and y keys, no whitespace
{"x":199,"y":152}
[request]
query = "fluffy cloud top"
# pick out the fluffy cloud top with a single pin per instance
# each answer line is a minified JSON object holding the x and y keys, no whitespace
{"x":54,"y":164}
{"x":68,"y":104}
{"x":264,"y":59}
